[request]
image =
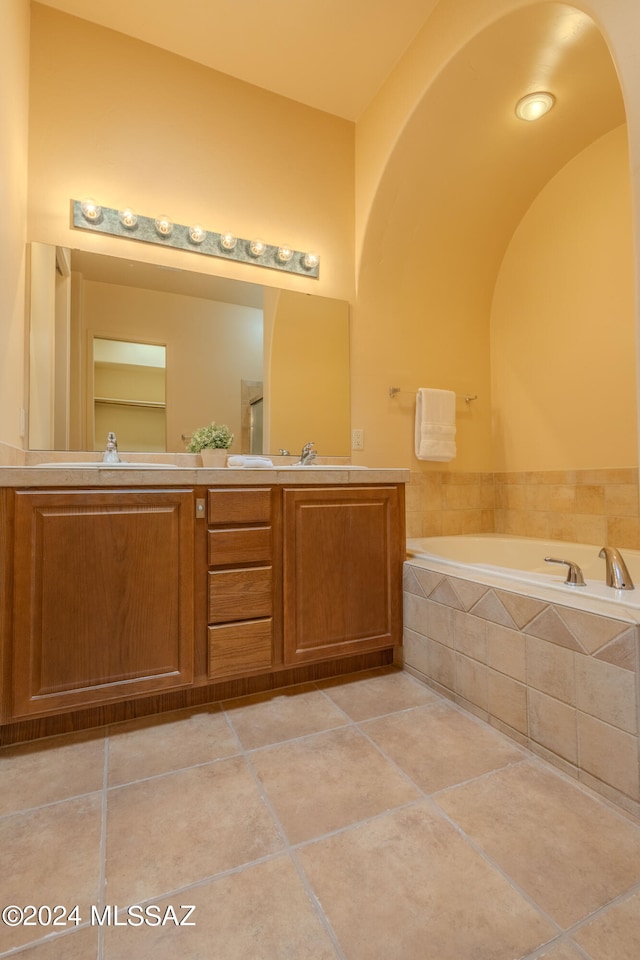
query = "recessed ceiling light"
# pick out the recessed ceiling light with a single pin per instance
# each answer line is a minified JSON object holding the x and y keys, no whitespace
{"x":534,"y":105}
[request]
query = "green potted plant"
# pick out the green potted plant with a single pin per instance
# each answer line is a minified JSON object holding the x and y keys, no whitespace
{"x":212,"y":443}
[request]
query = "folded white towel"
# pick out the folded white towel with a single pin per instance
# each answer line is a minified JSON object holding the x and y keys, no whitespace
{"x":253,"y":463}
{"x":435,"y":424}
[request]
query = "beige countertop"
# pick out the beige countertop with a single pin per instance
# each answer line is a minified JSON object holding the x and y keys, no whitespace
{"x":103,"y":475}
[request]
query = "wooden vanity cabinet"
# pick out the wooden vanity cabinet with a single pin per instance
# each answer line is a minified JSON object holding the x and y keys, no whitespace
{"x":103,"y":585}
{"x":144,"y":594}
{"x":241,"y":581}
{"x":343,"y":549}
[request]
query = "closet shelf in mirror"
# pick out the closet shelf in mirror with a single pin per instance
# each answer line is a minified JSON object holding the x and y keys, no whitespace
{"x":132,"y":403}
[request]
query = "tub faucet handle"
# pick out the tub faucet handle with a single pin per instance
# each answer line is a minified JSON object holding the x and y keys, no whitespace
{"x":574,"y":573}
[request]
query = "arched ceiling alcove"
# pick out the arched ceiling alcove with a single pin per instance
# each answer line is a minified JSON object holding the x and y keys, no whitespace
{"x":458,"y":181}
{"x":466,"y":168}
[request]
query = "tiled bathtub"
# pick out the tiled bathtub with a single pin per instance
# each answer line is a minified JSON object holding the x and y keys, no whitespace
{"x":554,"y":670}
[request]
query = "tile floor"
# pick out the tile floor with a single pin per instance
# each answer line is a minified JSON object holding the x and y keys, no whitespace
{"x":362,"y":818}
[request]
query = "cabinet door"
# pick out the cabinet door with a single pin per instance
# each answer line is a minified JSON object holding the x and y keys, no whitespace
{"x":343,"y":551}
{"x":103,"y":596}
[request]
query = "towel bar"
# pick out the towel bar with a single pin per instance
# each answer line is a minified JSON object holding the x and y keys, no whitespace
{"x":467,"y":397}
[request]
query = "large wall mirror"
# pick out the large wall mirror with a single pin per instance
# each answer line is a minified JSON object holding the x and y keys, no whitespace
{"x":115,"y":341}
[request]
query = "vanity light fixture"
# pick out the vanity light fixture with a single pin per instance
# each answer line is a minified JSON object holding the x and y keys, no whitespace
{"x":284,"y":254}
{"x":257,"y":248}
{"x":228,"y":241}
{"x":91,"y":210}
{"x":125,"y":223}
{"x":164,"y":226}
{"x":128,"y":218}
{"x":534,"y":105}
{"x":197,"y":233}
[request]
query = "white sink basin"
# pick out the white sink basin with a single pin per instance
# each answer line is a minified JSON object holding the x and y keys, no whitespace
{"x":80,"y":465}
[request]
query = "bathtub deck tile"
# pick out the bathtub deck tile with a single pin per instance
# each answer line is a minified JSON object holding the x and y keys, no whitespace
{"x":506,"y":651}
{"x":622,"y":651}
{"x":468,"y":591}
{"x":553,"y":725}
{"x":522,"y":609}
{"x":490,"y":607}
{"x":592,"y":632}
{"x":428,"y":580}
{"x":444,"y":593}
{"x":549,"y":626}
{"x":609,"y":754}
{"x":607,"y":693}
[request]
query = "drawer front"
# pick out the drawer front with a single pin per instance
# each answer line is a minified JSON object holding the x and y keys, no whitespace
{"x":240,"y":506}
{"x":240,"y":594}
{"x":245,"y":545}
{"x":240,"y":647}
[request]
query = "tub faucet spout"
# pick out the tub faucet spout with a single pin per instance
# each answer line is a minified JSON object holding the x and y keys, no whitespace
{"x":617,"y":575}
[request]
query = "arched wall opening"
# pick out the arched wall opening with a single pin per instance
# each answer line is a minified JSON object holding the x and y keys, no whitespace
{"x":471,"y":203}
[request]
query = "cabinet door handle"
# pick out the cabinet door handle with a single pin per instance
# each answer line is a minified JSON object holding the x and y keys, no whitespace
{"x":201,"y":510}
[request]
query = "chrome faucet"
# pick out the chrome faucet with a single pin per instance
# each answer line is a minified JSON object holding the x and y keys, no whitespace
{"x":574,"y":574}
{"x":617,"y":575}
{"x":110,"y":454}
{"x":308,"y":454}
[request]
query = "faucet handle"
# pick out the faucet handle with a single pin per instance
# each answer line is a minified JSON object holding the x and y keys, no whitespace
{"x":574,"y":574}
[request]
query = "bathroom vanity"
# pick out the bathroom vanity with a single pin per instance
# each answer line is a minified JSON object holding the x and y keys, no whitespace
{"x":132,"y":592}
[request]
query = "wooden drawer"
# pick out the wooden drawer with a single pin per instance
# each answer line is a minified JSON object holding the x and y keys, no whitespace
{"x":240,"y":594}
{"x":240,"y":647}
{"x":244,"y":545}
{"x":240,"y":506}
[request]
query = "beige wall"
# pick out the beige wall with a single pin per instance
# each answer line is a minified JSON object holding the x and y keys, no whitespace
{"x":14,"y":77}
{"x":562,"y":331}
{"x":130,"y":124}
{"x":309,"y":375}
{"x":211,"y":347}
{"x":438,"y":199}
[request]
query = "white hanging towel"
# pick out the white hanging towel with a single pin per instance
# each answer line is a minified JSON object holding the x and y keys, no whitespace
{"x":435,"y":424}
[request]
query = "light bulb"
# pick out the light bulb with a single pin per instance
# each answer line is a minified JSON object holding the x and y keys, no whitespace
{"x":91,"y":210}
{"x":257,"y":248}
{"x":164,"y":226}
{"x":534,"y":105}
{"x":310,"y":260}
{"x":128,"y":218}
{"x":197,"y":233}
{"x":228,"y":241}
{"x":284,"y":254}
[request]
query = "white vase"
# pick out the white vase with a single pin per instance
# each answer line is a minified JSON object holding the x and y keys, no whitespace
{"x":214,"y":457}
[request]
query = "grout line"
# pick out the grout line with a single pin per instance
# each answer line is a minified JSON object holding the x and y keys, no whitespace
{"x":290,"y":850}
{"x":103,"y":845}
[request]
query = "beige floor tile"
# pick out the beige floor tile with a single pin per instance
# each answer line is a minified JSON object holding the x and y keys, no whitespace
{"x":407,"y":886}
{"x":81,"y":944}
{"x":46,"y":771}
{"x":282,"y":715}
{"x":50,"y":856}
{"x":169,"y":831}
{"x":438,"y":746}
{"x":567,"y":850}
{"x":376,"y":692}
{"x":327,"y":781}
{"x":615,"y":934}
{"x":259,"y":913}
{"x":172,"y":741}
